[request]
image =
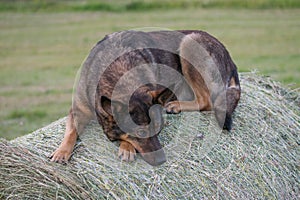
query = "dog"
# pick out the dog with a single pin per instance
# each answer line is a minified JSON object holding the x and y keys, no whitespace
{"x":131,"y":77}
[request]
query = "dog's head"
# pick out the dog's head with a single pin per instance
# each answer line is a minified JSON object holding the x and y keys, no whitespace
{"x":140,"y":121}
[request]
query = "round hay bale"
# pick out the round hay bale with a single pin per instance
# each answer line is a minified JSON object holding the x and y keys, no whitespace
{"x":258,"y":159}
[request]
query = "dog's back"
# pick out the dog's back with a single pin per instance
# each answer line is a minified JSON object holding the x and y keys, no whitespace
{"x":119,"y":52}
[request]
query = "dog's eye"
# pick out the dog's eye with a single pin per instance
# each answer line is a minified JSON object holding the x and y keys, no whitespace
{"x":142,"y":133}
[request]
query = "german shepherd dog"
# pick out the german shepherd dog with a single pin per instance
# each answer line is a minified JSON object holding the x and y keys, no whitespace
{"x":131,"y":77}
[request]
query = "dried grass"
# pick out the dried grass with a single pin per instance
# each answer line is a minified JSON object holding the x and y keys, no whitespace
{"x":259,"y":159}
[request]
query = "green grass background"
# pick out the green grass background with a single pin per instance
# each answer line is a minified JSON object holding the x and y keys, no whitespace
{"x":43,"y":43}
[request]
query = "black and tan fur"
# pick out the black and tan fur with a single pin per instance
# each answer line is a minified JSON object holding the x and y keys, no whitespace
{"x":200,"y":58}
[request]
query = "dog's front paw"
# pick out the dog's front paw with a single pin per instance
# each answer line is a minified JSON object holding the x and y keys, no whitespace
{"x":62,"y":154}
{"x":126,"y":151}
{"x":173,"y":107}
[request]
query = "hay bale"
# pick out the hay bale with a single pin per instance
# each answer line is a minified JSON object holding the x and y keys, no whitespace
{"x":259,"y":159}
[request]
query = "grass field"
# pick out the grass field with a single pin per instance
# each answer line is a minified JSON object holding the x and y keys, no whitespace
{"x":40,"y":52}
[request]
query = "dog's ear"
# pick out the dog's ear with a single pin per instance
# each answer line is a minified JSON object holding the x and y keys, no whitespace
{"x":110,"y":106}
{"x":162,"y":95}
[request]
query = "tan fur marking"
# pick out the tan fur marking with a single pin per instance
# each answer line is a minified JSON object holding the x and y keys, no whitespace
{"x":126,"y":151}
{"x":154,"y":93}
{"x":134,"y":143}
{"x":64,"y":151}
{"x":232,"y":83}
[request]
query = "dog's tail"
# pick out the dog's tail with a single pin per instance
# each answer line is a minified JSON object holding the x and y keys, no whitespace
{"x":225,"y":103}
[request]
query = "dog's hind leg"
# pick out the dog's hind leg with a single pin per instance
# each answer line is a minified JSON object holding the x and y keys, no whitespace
{"x":200,"y":103}
{"x":210,"y":72}
{"x":201,"y":100}
{"x":191,"y":54}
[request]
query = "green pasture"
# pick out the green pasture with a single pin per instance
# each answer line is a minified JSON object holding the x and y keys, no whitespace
{"x":41,"y":50}
{"x":138,"y":5}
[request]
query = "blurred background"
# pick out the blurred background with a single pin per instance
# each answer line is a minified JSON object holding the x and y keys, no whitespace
{"x":44,"y":42}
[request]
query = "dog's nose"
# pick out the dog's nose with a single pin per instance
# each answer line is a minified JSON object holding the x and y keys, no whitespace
{"x":159,"y":157}
{"x":155,"y":158}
